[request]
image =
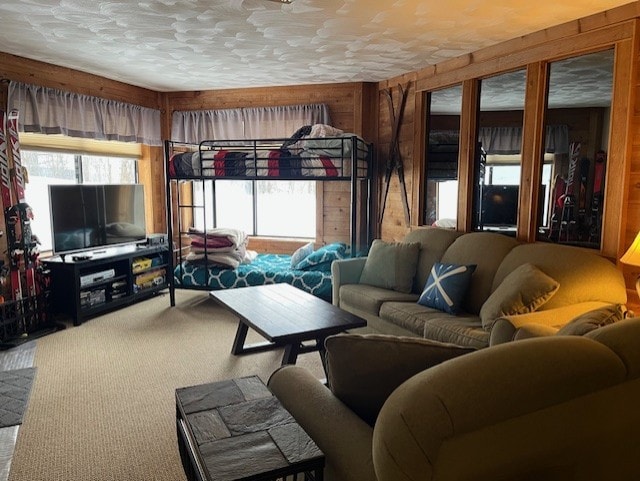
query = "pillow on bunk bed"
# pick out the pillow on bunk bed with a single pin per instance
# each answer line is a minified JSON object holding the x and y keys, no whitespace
{"x":321,"y":259}
{"x":300,"y":254}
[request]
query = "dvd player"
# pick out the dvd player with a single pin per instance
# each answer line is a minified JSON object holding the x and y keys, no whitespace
{"x":96,"y":277}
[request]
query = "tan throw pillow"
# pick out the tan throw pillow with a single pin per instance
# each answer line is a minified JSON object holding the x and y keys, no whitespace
{"x":391,"y":265}
{"x":523,"y":290}
{"x":589,"y":321}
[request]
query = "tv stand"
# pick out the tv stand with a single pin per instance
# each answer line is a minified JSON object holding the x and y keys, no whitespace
{"x":89,"y":284}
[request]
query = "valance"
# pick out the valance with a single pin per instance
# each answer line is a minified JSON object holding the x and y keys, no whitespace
{"x":194,"y":126}
{"x":508,"y":140}
{"x":52,"y":111}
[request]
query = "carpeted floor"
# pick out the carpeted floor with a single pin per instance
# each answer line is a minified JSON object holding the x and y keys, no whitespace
{"x":102,"y":406}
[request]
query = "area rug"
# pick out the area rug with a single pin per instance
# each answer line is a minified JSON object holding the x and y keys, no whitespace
{"x":103,"y":402}
{"x":15,"y":389}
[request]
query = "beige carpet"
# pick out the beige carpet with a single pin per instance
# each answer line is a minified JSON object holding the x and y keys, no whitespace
{"x":102,"y":406}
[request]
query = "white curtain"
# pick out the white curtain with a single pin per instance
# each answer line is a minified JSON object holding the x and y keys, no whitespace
{"x":245,"y":123}
{"x":52,"y":111}
{"x":508,"y":140}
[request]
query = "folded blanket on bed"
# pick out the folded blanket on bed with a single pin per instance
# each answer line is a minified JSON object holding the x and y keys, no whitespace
{"x":234,"y":237}
{"x":220,"y":246}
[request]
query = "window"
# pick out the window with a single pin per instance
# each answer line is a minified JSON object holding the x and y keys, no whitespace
{"x":261,"y":207}
{"x":53,"y":167}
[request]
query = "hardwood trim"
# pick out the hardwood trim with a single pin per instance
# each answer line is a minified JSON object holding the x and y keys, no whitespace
{"x":617,"y":173}
{"x":467,"y":153}
{"x":533,"y":138}
{"x":29,"y":71}
{"x":420,"y":125}
{"x":479,"y":64}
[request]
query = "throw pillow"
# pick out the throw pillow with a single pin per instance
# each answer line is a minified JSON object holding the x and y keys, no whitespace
{"x":391,"y":265}
{"x":592,"y":320}
{"x":446,"y":287}
{"x":300,"y":254}
{"x":524,"y":290}
{"x":363,"y":370}
{"x":323,"y":257}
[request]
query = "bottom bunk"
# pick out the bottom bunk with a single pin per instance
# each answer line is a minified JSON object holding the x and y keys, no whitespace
{"x":306,"y":269}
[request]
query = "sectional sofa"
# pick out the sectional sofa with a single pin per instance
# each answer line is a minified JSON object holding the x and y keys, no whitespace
{"x":511,"y":282}
{"x":407,"y":409}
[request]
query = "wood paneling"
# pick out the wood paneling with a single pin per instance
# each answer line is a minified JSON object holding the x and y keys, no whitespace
{"x":29,"y":71}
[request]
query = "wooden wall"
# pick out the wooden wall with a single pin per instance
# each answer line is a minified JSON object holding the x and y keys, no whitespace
{"x":615,"y":28}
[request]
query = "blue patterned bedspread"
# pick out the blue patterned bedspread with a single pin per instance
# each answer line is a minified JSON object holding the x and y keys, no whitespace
{"x":265,"y":269}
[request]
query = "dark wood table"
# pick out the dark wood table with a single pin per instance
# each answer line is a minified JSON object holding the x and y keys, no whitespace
{"x":286,"y":317}
{"x":237,"y":430}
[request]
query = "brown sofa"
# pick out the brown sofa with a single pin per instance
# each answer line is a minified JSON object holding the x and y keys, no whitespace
{"x":550,"y":408}
{"x":585,"y":282}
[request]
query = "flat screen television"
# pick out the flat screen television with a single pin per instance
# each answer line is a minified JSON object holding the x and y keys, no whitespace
{"x":87,"y":217}
{"x":499,"y":205}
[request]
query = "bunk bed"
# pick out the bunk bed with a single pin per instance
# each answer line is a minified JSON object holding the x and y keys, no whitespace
{"x":190,"y":167}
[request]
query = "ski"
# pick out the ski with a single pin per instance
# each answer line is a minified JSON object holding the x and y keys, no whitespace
{"x":597,"y":196}
{"x":568,"y":220}
{"x":25,"y":247}
{"x":9,"y":217}
{"x":557,"y":197}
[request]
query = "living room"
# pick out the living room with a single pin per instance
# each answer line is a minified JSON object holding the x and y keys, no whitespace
{"x":361,"y":107}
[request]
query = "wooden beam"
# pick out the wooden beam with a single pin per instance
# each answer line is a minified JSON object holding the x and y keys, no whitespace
{"x":533,"y":138}
{"x":467,"y":153}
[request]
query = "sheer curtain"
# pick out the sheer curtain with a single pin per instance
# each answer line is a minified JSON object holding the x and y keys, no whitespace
{"x":52,"y":111}
{"x":245,"y":123}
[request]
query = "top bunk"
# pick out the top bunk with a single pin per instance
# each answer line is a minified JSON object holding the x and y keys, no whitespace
{"x":308,"y":154}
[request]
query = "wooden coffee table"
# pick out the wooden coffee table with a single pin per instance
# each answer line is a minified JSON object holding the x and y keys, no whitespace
{"x":286,"y":317}
{"x":237,"y":430}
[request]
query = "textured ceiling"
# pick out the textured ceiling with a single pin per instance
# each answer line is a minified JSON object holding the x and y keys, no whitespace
{"x":172,"y":45}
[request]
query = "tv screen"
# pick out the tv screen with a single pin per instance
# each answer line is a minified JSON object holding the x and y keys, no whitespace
{"x":90,"y":216}
{"x":499,"y":205}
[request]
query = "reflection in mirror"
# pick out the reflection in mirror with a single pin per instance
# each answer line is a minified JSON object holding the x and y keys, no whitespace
{"x":577,"y":135}
{"x":498,"y":160}
{"x":443,"y":129}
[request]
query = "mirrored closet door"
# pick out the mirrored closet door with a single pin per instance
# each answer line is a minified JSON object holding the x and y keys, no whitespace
{"x":577,"y":122}
{"x":442,"y":150}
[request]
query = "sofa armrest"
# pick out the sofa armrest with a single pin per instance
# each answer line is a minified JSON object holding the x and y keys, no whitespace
{"x":343,"y":437}
{"x":345,"y":271}
{"x":363,"y":370}
{"x":482,"y":393}
{"x":505,"y":327}
{"x":527,"y":331}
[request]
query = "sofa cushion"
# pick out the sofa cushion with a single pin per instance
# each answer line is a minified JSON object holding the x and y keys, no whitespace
{"x":446,"y":287}
{"x":363,"y":370}
{"x":391,"y":265}
{"x":369,"y":298}
{"x":458,"y":330}
{"x":587,"y":322}
{"x":410,"y":315}
{"x":523,"y":290}
{"x":434,"y":242}
{"x":583,"y":276}
{"x":486,"y":250}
